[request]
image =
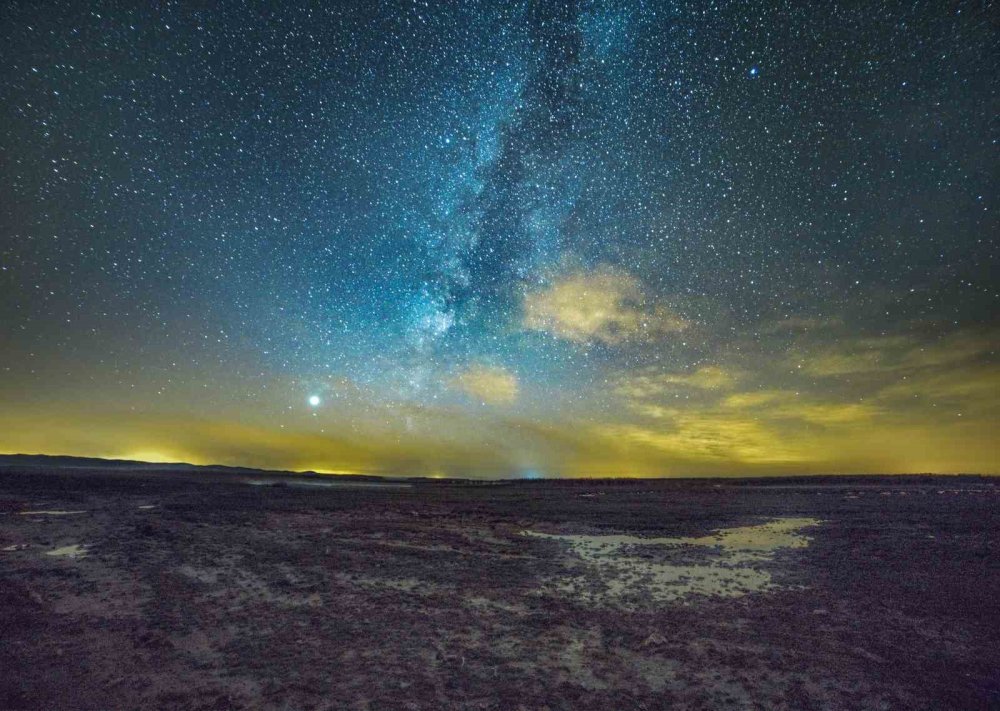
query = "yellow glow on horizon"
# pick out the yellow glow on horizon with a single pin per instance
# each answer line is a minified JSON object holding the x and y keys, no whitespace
{"x":926,"y":409}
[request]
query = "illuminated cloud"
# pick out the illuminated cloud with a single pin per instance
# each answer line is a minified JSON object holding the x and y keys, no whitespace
{"x":951,"y":350}
{"x":708,"y":377}
{"x":605,"y":306}
{"x":887,"y":354}
{"x":971,"y":387}
{"x":697,"y":436}
{"x":656,"y":412}
{"x":825,"y":413}
{"x":754,"y":428}
{"x":490,"y":384}
{"x":886,"y":404}
{"x":790,"y":405}
{"x":842,"y":362}
{"x":652,"y":382}
{"x":794,"y":324}
{"x":739,"y":401}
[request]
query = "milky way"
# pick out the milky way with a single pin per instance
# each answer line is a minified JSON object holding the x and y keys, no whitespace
{"x":502,"y":239}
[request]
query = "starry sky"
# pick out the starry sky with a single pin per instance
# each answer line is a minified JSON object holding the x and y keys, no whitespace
{"x":502,"y":239}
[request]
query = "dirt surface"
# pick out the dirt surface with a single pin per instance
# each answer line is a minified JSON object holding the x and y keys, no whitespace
{"x":138,"y":590}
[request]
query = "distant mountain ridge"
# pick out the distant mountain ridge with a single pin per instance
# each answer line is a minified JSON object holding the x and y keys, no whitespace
{"x":65,"y":460}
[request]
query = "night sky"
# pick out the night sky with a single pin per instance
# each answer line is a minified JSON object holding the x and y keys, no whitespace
{"x":524,"y":239}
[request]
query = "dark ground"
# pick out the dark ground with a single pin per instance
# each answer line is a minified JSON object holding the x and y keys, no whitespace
{"x":228,"y":596}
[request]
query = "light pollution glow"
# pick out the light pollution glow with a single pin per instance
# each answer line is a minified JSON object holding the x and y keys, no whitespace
{"x":924,"y":408}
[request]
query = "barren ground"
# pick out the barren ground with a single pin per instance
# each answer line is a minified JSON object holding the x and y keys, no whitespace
{"x":140,"y":590}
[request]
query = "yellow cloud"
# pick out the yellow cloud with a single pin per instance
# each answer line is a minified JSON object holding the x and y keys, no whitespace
{"x":606,"y":306}
{"x":652,"y":382}
{"x":709,"y":377}
{"x":975,"y":385}
{"x":956,"y":348}
{"x":832,"y":364}
{"x":897,"y":396}
{"x":696,"y":436}
{"x":825,"y":413}
{"x":657,"y":412}
{"x":800,"y":323}
{"x":894,"y":353}
{"x":488,"y":383}
{"x":790,"y":405}
{"x":740,"y":401}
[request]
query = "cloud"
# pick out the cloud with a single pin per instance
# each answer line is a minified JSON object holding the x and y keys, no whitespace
{"x":836,"y":363}
{"x":739,"y":401}
{"x":651,"y":382}
{"x":819,"y":437}
{"x":709,"y":377}
{"x":889,"y":354}
{"x":488,"y":383}
{"x":968,"y":387}
{"x":752,"y":428}
{"x":790,"y":405}
{"x":957,"y":348}
{"x":696,"y":436}
{"x":828,"y":414}
{"x":794,"y":324}
{"x":656,"y":412}
{"x":606,"y":306}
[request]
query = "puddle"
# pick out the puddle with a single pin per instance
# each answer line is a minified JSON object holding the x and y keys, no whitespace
{"x":728,"y":563}
{"x":76,"y":550}
{"x":50,"y":513}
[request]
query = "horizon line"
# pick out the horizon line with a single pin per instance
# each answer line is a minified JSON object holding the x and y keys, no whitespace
{"x":537,"y":476}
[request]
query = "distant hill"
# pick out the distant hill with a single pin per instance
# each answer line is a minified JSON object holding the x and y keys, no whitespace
{"x":56,"y":462}
{"x":64,"y":461}
{"x":59,"y":460}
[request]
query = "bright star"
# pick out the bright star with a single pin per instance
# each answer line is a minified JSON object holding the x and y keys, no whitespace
{"x":314,"y":400}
